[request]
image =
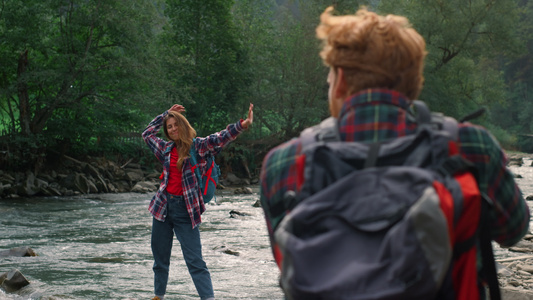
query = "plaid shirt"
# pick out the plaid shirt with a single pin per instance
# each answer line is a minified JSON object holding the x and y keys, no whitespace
{"x":210,"y":145}
{"x":377,"y":115}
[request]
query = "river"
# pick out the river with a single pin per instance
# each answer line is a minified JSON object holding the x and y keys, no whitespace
{"x":98,"y":247}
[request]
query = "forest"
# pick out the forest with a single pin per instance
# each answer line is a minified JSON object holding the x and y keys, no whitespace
{"x":84,"y":77}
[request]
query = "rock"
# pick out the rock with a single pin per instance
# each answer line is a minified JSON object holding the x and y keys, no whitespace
{"x":520,"y":249}
{"x":530,"y":197}
{"x":504,"y":271}
{"x":224,"y":249}
{"x":122,"y":186}
{"x":99,"y":181}
{"x":243,"y":190}
{"x":28,"y":187}
{"x":230,"y":252}
{"x":144,"y":187}
{"x":91,"y":170}
{"x":257,"y":203}
{"x":18,"y":252}
{"x":235,"y":213}
{"x":231,"y":179}
{"x":526,"y":268}
{"x":6,"y":178}
{"x":13,"y":281}
{"x":133,"y":166}
{"x":513,"y":282}
{"x":112,"y":188}
{"x":515,"y":161}
{"x":134,"y":175}
{"x":153,"y":175}
{"x":79,"y":182}
{"x":509,"y":293}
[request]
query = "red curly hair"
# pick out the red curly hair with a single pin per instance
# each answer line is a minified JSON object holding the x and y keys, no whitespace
{"x":373,"y":51}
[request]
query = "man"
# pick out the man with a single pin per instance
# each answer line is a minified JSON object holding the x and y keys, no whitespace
{"x":375,"y":72}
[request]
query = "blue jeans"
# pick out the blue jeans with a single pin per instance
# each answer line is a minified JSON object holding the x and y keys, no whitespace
{"x":178,"y":222}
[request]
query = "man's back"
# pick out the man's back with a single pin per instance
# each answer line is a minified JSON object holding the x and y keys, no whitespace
{"x":381,"y":115}
{"x":376,"y":69}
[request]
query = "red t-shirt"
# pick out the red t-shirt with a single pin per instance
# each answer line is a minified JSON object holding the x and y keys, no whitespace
{"x":175,"y":176}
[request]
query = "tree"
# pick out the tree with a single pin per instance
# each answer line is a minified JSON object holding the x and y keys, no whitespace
{"x":207,"y":72}
{"x":288,"y":82}
{"x":465,"y":40}
{"x":79,"y":69}
{"x":74,"y":57}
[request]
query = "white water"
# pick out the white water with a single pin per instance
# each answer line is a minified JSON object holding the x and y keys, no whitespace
{"x":98,"y":247}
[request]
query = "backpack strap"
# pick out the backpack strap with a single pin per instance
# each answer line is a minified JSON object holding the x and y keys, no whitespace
{"x":455,"y":164}
{"x":326,"y":131}
{"x":194,"y":163}
{"x":487,"y":255}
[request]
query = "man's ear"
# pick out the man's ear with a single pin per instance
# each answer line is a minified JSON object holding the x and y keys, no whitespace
{"x":340,"y":89}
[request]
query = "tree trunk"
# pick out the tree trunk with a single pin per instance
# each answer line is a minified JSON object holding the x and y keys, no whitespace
{"x":24,"y":100}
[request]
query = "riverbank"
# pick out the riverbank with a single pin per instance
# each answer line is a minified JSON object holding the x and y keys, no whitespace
{"x":72,"y":177}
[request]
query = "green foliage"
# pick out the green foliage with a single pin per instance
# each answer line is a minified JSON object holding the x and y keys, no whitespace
{"x":25,"y":152}
{"x":465,"y":41}
{"x":209,"y":75}
{"x":98,"y":71}
{"x":89,"y":69}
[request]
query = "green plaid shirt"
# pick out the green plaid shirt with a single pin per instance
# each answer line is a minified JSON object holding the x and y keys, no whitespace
{"x":377,"y":115}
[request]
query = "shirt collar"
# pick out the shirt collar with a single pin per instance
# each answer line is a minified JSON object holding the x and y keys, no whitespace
{"x":383,"y":96}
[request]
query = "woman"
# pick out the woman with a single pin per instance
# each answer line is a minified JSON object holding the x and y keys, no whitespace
{"x":178,"y":204}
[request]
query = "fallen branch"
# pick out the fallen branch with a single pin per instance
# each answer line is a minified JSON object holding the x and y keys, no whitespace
{"x":514,"y":258}
{"x":126,"y":163}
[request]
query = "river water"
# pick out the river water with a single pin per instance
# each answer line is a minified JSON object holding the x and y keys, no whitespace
{"x":98,"y":247}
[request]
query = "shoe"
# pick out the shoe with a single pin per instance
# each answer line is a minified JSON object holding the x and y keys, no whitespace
{"x":156,"y":298}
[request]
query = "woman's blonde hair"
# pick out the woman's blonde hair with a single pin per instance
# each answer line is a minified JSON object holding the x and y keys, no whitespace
{"x":373,"y":51}
{"x":185,"y":136}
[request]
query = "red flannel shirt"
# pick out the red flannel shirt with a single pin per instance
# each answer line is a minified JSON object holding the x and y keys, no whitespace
{"x":210,"y":145}
{"x":376,"y":115}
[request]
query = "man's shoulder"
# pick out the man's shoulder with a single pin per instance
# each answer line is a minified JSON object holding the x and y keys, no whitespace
{"x":475,"y":135}
{"x":284,"y":152}
{"x":478,"y":144}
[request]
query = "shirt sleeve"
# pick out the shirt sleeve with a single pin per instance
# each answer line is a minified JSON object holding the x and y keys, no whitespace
{"x":510,"y":214}
{"x":156,"y":145}
{"x":214,"y":143}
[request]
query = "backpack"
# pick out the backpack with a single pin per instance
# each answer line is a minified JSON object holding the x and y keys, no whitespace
{"x":209,"y":179}
{"x":393,"y":220}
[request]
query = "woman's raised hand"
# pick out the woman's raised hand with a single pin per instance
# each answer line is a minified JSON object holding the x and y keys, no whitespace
{"x":177,"y":107}
{"x":246,"y":123}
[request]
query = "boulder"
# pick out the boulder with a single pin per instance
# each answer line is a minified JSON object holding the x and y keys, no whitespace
{"x":231,"y":179}
{"x":28,"y":187}
{"x":79,"y":182}
{"x":144,"y":187}
{"x":13,"y":281}
{"x":236,"y":214}
{"x":18,"y":252}
{"x":122,"y":186}
{"x":134,"y":175}
{"x":243,"y":190}
{"x":515,"y":161}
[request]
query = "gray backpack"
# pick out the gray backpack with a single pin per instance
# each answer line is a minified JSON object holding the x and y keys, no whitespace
{"x":385,"y":220}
